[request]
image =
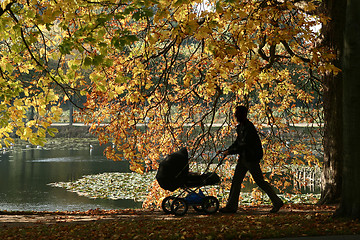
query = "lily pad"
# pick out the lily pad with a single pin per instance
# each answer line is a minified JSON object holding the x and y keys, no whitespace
{"x":111,"y":185}
{"x":135,"y":186}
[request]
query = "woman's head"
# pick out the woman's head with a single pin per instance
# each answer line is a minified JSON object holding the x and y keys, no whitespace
{"x":241,"y":113}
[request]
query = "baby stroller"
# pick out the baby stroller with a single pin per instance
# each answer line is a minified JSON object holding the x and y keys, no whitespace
{"x":173,"y":173}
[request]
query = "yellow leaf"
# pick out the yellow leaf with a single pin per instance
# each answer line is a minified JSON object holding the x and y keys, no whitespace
{"x":8,"y":141}
{"x":52,"y":131}
{"x":137,"y":168}
{"x":119,"y":89}
{"x":31,"y":123}
{"x":187,"y":79}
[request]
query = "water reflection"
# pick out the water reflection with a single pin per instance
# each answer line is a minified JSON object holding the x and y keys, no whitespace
{"x":25,"y":173}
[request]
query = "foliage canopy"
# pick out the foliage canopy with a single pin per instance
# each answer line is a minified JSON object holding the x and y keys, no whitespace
{"x":160,"y":74}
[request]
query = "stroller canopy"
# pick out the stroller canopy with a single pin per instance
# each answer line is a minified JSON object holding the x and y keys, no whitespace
{"x":173,"y":170}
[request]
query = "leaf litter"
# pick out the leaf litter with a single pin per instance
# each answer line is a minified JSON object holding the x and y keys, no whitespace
{"x":249,"y":223}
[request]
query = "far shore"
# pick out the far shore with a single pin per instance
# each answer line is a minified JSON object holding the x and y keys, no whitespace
{"x":81,"y":130}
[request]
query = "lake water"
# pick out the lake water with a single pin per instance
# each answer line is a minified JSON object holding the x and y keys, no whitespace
{"x":26,"y":172}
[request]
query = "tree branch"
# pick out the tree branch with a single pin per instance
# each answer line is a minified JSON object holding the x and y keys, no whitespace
{"x":41,"y":65}
{"x":7,"y":8}
{"x":291,"y":52}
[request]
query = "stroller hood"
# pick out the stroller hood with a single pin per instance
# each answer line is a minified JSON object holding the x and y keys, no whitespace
{"x":173,"y":170}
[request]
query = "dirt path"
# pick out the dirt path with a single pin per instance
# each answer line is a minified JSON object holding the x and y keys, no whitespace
{"x":15,"y":219}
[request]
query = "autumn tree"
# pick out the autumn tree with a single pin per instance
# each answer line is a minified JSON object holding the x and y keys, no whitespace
{"x":53,"y":43}
{"x":167,"y":73}
{"x":177,"y":83}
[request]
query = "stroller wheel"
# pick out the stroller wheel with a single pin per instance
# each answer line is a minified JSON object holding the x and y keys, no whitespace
{"x":166,"y":204}
{"x":179,"y":206}
{"x":210,"y":205}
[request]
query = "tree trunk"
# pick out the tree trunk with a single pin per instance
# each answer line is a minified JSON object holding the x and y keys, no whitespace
{"x":350,"y":198}
{"x":331,"y":178}
{"x":71,"y":114}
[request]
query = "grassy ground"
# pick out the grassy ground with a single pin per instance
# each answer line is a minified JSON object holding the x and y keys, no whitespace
{"x":248,"y":223}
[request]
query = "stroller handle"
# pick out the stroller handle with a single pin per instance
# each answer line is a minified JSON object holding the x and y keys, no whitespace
{"x":212,"y":160}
